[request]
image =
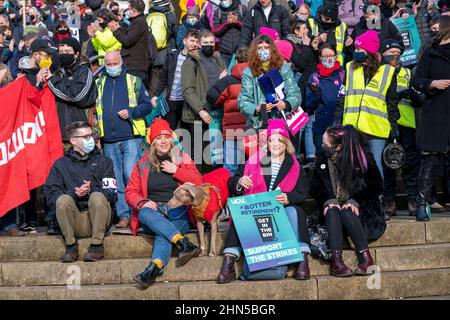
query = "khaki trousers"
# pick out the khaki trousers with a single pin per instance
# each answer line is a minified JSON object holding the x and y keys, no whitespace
{"x":91,"y":223}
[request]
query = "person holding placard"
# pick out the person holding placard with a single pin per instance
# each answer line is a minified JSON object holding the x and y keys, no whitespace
{"x":277,"y":168}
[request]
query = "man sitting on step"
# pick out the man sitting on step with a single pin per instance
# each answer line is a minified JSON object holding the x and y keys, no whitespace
{"x":81,"y":186}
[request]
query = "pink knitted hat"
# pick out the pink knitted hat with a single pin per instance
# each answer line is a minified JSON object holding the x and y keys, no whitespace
{"x":285,"y":48}
{"x":277,"y":126}
{"x":368,"y":41}
{"x":269,"y":32}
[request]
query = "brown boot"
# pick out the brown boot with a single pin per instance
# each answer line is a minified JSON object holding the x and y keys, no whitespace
{"x":390,"y":207}
{"x":303,"y":272}
{"x":227,"y":272}
{"x":94,"y":253}
{"x":123,"y":223}
{"x":71,"y":254}
{"x":14,"y":232}
{"x":412,"y":208}
{"x":339,"y":269}
{"x":364,"y":262}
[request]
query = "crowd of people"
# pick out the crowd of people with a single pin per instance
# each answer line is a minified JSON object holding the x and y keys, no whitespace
{"x":152,"y":95}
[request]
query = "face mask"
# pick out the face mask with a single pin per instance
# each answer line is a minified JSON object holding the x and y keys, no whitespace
{"x":264,"y":55}
{"x":103,"y":25}
{"x":360,"y":56}
{"x":302,"y":18}
{"x":208,"y":50}
{"x":329,"y":151}
{"x":32,"y":17}
{"x":328,"y":62}
{"x":82,"y":2}
{"x":63,"y":32}
{"x":393,"y":60}
{"x":63,"y":17}
{"x":225,"y":4}
{"x":89,"y":145}
{"x":114,"y":71}
{"x":434,"y":33}
{"x":66,"y":59}
{"x":191,"y":21}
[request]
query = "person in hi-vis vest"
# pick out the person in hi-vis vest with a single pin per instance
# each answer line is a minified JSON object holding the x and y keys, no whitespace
{"x":392,"y":50}
{"x":326,"y":27}
{"x":371,"y":98}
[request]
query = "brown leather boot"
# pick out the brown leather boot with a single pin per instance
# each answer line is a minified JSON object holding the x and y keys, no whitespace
{"x":94,"y":253}
{"x":364,"y":262}
{"x":339,"y":269}
{"x":71,"y":254}
{"x":303,"y":272}
{"x":227,"y":271}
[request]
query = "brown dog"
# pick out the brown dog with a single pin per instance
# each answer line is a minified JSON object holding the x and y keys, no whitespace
{"x":199,"y":198}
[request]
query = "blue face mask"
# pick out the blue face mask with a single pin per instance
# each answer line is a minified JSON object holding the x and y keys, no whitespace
{"x":359,"y":56}
{"x":82,"y":2}
{"x":225,"y":4}
{"x":191,"y":22}
{"x":89,"y":145}
{"x":114,"y":71}
{"x":264,"y":55}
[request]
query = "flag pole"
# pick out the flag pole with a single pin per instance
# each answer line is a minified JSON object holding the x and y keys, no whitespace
{"x":24,"y":14}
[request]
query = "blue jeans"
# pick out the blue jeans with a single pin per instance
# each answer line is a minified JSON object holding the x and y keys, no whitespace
{"x":309,"y":143}
{"x":233,"y":155}
{"x":8,"y":221}
{"x":292,"y":215}
{"x":377,"y":146}
{"x":124,"y":155}
{"x":164,"y":229}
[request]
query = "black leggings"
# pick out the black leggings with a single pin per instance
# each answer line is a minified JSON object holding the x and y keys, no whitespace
{"x":337,"y":221}
{"x":233,"y":239}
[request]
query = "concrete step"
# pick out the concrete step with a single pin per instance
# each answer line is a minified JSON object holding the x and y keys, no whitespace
{"x":121,"y":271}
{"x":392,"y":285}
{"x":40,"y":247}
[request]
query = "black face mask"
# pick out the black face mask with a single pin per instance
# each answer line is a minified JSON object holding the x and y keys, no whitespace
{"x":32,"y":18}
{"x":63,"y":32}
{"x":329,"y":151}
{"x":208,"y":50}
{"x":434,"y":33}
{"x":103,"y":25}
{"x":66,"y":59}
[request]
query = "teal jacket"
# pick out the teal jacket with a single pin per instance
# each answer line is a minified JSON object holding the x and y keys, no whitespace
{"x":252,"y":95}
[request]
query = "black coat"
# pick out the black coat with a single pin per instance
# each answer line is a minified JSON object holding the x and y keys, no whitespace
{"x":279,"y":20}
{"x":370,"y":208}
{"x":296,"y":197}
{"x":68,"y":172}
{"x":433,"y":129}
{"x":75,"y":91}
{"x":167,"y":74}
{"x":228,"y":33}
{"x":135,"y":44}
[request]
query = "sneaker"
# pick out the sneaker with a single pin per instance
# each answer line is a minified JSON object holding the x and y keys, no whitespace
{"x":14,"y":232}
{"x":30,"y":228}
{"x":436,"y":207}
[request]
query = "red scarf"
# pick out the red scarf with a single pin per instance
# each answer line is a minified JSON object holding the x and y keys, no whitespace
{"x":324,"y":72}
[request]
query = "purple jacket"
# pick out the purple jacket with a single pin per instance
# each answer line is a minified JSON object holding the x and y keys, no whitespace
{"x":348,"y":15}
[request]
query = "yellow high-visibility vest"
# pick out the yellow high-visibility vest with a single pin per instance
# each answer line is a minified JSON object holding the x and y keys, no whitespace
{"x":339,"y":34}
{"x":138,"y":124}
{"x":407,"y":116}
{"x":365,"y":107}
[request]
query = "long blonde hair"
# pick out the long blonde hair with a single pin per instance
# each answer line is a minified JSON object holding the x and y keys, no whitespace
{"x":155,"y":165}
{"x":290,"y":149}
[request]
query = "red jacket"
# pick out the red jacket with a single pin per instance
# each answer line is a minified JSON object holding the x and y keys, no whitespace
{"x":137,"y":187}
{"x":224,"y":93}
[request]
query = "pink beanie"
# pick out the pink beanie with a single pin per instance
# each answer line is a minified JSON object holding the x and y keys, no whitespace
{"x":277,"y":126}
{"x":269,"y":32}
{"x":190,"y":3}
{"x":368,"y":41}
{"x":285,"y":48}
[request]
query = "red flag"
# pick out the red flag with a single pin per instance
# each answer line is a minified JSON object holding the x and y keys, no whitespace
{"x":30,"y":141}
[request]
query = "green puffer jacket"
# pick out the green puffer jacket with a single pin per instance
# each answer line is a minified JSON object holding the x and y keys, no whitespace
{"x":252,"y":95}
{"x":195,"y":85}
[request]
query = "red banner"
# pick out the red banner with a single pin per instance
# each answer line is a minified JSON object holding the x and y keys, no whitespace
{"x":30,"y":141}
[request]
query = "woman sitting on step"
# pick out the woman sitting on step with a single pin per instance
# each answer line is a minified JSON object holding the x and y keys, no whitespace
{"x":347,"y":185}
{"x":266,"y":171}
{"x":153,"y":180}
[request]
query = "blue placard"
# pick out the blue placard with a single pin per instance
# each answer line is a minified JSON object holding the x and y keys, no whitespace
{"x":411,"y":39}
{"x":264,"y":230}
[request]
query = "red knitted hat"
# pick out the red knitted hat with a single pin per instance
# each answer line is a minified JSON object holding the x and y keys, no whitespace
{"x":159,"y":127}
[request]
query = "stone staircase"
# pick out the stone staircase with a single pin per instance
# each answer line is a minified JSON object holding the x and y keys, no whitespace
{"x":414,"y":259}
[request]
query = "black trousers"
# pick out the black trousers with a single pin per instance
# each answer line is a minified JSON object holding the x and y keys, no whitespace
{"x":410,"y":170}
{"x":337,"y":221}
{"x":196,"y":147}
{"x":174,"y":114}
{"x":233,"y":239}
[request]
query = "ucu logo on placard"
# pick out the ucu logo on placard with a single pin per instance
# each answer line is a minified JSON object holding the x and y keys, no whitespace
{"x":109,"y":183}
{"x":237,"y":201}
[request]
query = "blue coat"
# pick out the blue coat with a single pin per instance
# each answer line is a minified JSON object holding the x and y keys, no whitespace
{"x":327,"y":102}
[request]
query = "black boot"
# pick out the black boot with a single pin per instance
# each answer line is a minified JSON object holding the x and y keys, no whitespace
{"x":188,"y":250}
{"x":426,"y":180}
{"x":53,"y":228}
{"x":148,"y":277}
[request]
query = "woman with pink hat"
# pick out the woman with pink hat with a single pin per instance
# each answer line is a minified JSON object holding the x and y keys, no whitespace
{"x":277,"y":168}
{"x":371,"y":99}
